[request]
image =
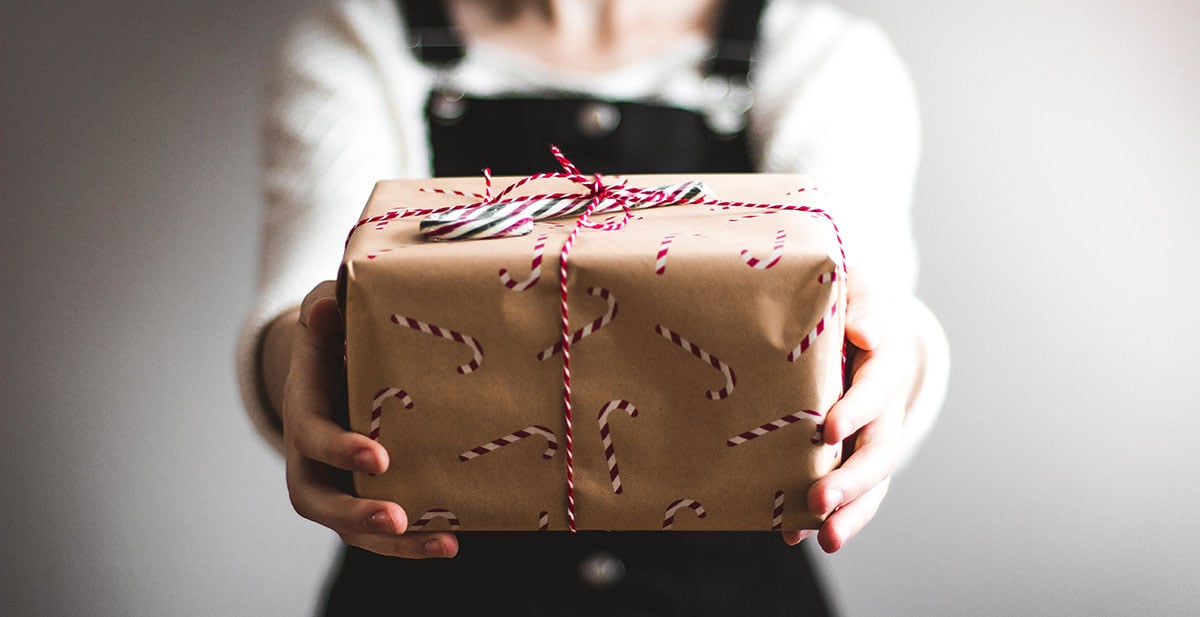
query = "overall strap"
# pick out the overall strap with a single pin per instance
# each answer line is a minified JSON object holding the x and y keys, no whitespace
{"x":434,"y":39}
{"x":437,"y":41}
{"x":736,"y":38}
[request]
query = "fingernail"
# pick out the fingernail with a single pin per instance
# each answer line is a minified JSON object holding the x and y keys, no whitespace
{"x":365,"y":459}
{"x":829,"y":433}
{"x":834,"y":498}
{"x":382,"y":521}
{"x":434,"y":548}
{"x":865,"y":322}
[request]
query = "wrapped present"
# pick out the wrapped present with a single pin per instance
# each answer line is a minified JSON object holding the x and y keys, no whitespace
{"x":704,"y":346}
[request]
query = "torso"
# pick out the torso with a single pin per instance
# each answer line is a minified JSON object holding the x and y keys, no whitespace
{"x":509,"y":131}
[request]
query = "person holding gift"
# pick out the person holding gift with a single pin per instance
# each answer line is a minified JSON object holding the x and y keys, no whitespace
{"x":371,"y":89}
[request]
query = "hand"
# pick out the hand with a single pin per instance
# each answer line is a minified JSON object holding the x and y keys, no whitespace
{"x":884,"y":371}
{"x":316,"y":447}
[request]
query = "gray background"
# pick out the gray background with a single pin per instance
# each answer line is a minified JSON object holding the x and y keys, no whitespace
{"x":1058,"y":215}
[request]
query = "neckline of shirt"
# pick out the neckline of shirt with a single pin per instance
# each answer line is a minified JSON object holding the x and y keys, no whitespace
{"x":492,"y":70}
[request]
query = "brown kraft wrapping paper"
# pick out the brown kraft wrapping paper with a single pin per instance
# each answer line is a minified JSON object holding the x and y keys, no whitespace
{"x":693,"y":316}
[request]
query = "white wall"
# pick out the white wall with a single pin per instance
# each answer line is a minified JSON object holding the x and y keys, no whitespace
{"x":1059,"y":224}
{"x":1059,"y":205}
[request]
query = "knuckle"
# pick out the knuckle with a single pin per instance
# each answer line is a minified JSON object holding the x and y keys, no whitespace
{"x":298,"y":503}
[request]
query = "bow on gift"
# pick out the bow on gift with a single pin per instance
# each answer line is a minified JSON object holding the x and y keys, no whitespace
{"x":502,"y":216}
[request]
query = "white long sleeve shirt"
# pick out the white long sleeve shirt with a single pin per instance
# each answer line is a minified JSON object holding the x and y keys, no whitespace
{"x":346,"y":104}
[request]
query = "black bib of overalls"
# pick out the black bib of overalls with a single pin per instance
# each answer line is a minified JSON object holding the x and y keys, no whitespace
{"x":690,"y":574}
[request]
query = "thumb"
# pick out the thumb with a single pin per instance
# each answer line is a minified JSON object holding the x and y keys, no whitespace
{"x":864,"y":329}
{"x":869,"y":309}
{"x":319,"y":314}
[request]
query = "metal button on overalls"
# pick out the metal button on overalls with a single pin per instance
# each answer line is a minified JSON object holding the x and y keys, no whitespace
{"x":447,"y":107}
{"x":601,"y":570}
{"x":597,"y":119}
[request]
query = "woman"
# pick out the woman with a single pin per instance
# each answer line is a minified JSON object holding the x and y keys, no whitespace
{"x":368,"y":89}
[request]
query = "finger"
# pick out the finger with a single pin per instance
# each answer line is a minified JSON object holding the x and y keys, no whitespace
{"x":878,"y":383}
{"x":873,"y":462}
{"x":325,"y":325}
{"x":319,"y":317}
{"x":792,"y":538}
{"x":316,"y":496}
{"x":324,"y":291}
{"x":314,"y":436}
{"x":310,"y":432}
{"x":308,"y":426}
{"x":324,"y":322}
{"x":850,"y":519}
{"x":317,"y":357}
{"x":310,"y":401}
{"x":866,"y":324}
{"x":375,"y":525}
{"x":412,"y":545}
{"x":867,"y":309}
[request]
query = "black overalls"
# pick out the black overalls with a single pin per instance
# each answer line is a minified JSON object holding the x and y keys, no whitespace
{"x":690,"y":574}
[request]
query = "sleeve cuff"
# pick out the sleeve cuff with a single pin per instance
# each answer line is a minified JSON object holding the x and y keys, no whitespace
{"x":926,"y":402}
{"x":249,"y":369}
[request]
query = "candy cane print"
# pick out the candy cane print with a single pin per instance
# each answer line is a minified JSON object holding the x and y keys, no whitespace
{"x":511,"y":438}
{"x":774,"y":425}
{"x":776,"y":253}
{"x":606,"y":438}
{"x":691,"y":504}
{"x":476,"y":349}
{"x":811,"y":337}
{"x":725,"y":369}
{"x":377,"y":406}
{"x":535,"y":268}
{"x":543,"y":521}
{"x":827,"y":277}
{"x":429,"y":515}
{"x":777,"y":518}
{"x":587,"y":330}
{"x":660,"y":262}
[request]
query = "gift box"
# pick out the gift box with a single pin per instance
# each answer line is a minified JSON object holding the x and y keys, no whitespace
{"x":705,"y":347}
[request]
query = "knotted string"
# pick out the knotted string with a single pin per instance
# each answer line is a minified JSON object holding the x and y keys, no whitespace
{"x":597,"y":191}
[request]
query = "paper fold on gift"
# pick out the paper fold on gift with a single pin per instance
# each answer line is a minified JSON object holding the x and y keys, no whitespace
{"x":706,"y":350}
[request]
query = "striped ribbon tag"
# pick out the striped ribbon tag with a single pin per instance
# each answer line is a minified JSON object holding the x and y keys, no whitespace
{"x":515,"y":217}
